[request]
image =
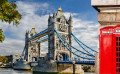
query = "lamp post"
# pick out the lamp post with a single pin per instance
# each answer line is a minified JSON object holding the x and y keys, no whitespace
{"x":73,"y":67}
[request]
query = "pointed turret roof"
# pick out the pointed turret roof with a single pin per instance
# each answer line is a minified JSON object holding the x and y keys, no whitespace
{"x":60,"y":9}
{"x":59,"y":13}
{"x":70,"y":18}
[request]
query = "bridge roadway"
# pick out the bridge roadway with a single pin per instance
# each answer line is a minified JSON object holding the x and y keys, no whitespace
{"x":78,"y":62}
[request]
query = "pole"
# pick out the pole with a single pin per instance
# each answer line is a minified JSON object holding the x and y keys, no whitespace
{"x":73,"y":67}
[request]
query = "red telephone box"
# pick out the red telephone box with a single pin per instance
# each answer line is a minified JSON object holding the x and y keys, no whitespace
{"x":109,"y":40}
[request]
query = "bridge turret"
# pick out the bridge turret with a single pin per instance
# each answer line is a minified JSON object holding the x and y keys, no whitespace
{"x":33,"y":32}
{"x":26,"y":37}
{"x":70,"y":30}
{"x":54,"y":15}
{"x":49,"y":19}
{"x":70,"y":23}
{"x":26,"y":43}
{"x":29,"y":34}
{"x":59,"y":9}
{"x":70,"y":20}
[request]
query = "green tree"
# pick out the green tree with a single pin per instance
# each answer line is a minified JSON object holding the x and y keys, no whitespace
{"x":1,"y":36}
{"x":9,"y":14}
{"x":3,"y":59}
{"x":85,"y":68}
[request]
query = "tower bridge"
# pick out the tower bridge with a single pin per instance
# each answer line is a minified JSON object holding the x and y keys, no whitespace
{"x":59,"y":36}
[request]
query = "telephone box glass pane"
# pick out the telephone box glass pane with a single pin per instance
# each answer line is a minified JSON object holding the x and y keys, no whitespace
{"x":117,"y":55}
{"x":116,"y":38}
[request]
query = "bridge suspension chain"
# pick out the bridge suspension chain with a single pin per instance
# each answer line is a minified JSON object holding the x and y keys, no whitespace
{"x":72,"y":46}
{"x":23,"y":52}
{"x":63,"y":42}
{"x":82,"y":47}
{"x":77,"y":40}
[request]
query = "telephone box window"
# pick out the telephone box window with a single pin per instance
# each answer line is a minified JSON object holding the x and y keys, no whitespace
{"x":116,"y":64}
{"x":116,"y":38}
{"x":119,"y":38}
{"x":116,"y":43}
{"x":117,"y":59}
{"x":118,"y":55}
{"x":117,"y":49}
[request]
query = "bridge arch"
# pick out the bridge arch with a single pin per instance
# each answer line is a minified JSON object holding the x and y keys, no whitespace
{"x":62,"y":57}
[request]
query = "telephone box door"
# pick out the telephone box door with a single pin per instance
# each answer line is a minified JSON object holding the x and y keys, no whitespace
{"x":106,"y":50}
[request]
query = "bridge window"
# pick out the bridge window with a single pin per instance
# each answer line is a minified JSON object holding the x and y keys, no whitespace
{"x":58,"y":19}
{"x":65,"y":57}
{"x":31,"y":34}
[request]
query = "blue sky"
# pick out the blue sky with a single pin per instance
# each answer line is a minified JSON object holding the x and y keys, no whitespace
{"x":35,"y":13}
{"x":74,"y":6}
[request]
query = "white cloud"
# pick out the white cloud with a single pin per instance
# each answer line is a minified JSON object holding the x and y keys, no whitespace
{"x":11,"y":46}
{"x":84,"y":30}
{"x":14,"y":42}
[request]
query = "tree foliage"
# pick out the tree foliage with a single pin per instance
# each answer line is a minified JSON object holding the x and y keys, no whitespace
{"x":9,"y":14}
{"x":1,"y":36}
{"x":85,"y":68}
{"x":3,"y":59}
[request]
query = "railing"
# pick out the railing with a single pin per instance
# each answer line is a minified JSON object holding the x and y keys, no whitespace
{"x":78,"y":62}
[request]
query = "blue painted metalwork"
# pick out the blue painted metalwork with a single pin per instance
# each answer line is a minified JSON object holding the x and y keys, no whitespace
{"x":44,"y":31}
{"x":77,"y":62}
{"x":43,"y":38}
{"x":82,"y":46}
{"x":83,"y":43}
{"x":23,"y":52}
{"x":61,"y":39}
{"x":71,"y":45}
{"x":14,"y":59}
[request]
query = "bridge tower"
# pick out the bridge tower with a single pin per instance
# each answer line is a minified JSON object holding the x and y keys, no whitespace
{"x":32,"y":49}
{"x":56,"y":50}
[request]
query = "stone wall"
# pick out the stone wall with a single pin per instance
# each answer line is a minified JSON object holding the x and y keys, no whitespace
{"x":105,"y":2}
{"x":68,"y":68}
{"x":109,"y":12}
{"x":97,"y":63}
{"x":53,"y":67}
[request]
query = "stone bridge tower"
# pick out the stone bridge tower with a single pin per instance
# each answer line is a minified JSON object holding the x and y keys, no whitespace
{"x":56,"y":50}
{"x":32,"y":49}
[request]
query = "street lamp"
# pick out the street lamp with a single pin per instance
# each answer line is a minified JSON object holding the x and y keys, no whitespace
{"x":73,"y":67}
